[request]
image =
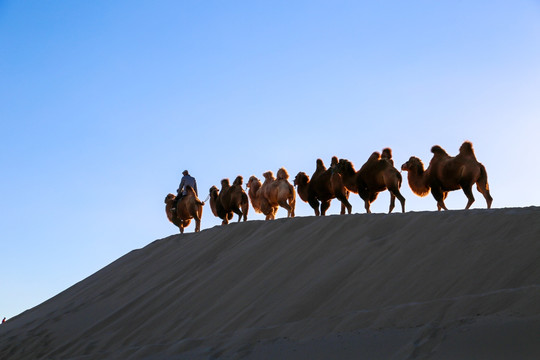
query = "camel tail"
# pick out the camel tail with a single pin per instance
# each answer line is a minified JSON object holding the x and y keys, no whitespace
{"x":436,"y":149}
{"x":483,"y":178}
{"x":292,"y":195}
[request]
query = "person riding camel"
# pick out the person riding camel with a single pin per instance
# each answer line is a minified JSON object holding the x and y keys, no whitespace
{"x":187,"y":180}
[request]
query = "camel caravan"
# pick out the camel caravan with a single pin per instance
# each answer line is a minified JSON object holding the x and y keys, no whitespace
{"x":443,"y":174}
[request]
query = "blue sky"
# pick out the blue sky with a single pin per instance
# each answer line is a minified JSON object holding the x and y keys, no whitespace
{"x":104,"y":103}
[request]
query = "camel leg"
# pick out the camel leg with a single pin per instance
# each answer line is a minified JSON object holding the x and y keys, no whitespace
{"x":226,"y":219}
{"x":439,"y":196}
{"x":394,"y":193}
{"x":367,"y":206}
{"x":401,"y":199}
{"x":197,"y":217}
{"x":392,"y":202}
{"x":283,"y":204}
{"x":292,"y":204}
{"x":245,"y":209}
{"x":483,"y":188}
{"x":314,"y":203}
{"x":238,"y":212}
{"x":368,"y":198}
{"x":197,"y":223}
{"x":344,"y":204}
{"x":467,"y":189}
{"x":324,"y":206}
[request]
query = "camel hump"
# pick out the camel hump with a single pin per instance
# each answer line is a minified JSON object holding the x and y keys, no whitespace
{"x":282,"y":174}
{"x":466,"y":148}
{"x":375,"y":156}
{"x":269,"y":175}
{"x":436,"y":149}
{"x":190,"y":190}
{"x":334,"y":161}
{"x":386,"y":153}
{"x":344,"y":162}
{"x":225,"y":183}
{"x":239,"y":180}
{"x":320,"y":165}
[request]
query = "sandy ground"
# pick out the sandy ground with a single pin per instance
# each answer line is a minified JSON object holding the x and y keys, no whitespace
{"x":419,"y":285}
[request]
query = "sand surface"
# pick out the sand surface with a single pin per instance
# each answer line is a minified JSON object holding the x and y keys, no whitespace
{"x":419,"y":285}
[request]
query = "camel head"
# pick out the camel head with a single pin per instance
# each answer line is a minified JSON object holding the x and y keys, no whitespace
{"x":214,"y":192}
{"x":415,"y":174}
{"x":282,"y":174}
{"x":169,"y":198}
{"x":301,"y":179}
{"x":238,"y":181}
{"x":414,"y":164}
{"x":253,"y":181}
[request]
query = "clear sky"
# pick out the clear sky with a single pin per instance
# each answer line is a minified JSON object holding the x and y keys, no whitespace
{"x":104,"y":103}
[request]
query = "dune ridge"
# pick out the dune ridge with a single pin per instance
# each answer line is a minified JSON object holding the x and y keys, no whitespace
{"x":426,"y":285}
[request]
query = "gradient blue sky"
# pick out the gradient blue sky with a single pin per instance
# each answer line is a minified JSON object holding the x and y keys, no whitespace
{"x":104,"y":103}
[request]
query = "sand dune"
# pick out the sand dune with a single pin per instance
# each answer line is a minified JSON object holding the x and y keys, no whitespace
{"x":425,"y":285}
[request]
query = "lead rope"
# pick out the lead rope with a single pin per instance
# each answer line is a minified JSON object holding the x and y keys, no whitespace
{"x":208,"y":197}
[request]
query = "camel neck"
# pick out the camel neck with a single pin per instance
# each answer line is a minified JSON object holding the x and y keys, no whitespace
{"x":303,"y":192}
{"x":417,"y":182}
{"x":349,"y":179}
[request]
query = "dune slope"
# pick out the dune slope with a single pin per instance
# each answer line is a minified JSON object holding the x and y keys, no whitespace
{"x":426,"y":285}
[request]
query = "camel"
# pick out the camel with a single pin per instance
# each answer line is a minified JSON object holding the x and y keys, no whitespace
{"x":229,"y":201}
{"x":278,"y":191}
{"x":259,"y":202}
{"x":376,"y":175}
{"x":446,"y":173}
{"x":189,"y":207}
{"x":325,"y":185}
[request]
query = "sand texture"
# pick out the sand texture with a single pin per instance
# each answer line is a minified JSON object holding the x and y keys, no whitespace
{"x":419,"y":285}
